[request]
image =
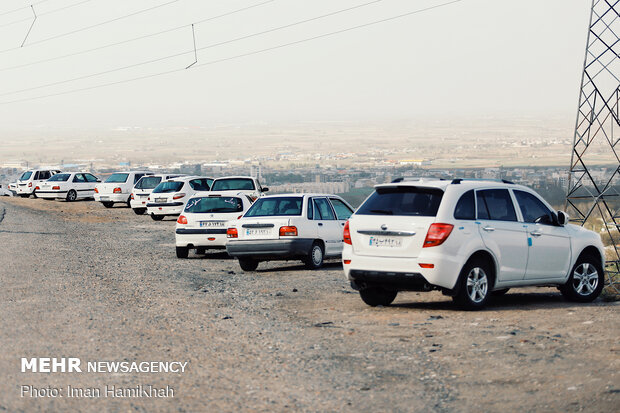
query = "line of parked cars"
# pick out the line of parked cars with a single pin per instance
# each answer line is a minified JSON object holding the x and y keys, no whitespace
{"x":469,"y":239}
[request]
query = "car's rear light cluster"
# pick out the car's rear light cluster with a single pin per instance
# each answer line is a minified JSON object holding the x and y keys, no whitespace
{"x":118,"y":191}
{"x":55,"y":188}
{"x":178,"y":196}
{"x":437,"y":234}
{"x":182,"y":220}
{"x":131,"y":196}
{"x":346,"y":235}
{"x":29,"y":184}
{"x":232,"y":233}
{"x":96,"y":191}
{"x":36,"y":188}
{"x":288,"y":231}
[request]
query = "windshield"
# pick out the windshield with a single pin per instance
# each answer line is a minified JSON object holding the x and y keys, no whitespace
{"x":117,"y":178}
{"x":166,"y":187}
{"x":148,"y":182}
{"x":213,"y":204}
{"x":233,"y":184}
{"x":276,"y":206}
{"x":402,"y":200}
{"x":25,"y":176}
{"x":59,"y":177}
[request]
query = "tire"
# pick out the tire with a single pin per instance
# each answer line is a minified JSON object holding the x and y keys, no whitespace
{"x":586,"y":281}
{"x":34,"y":194}
{"x":314,"y":260}
{"x":182,"y":252}
{"x":71,"y":196}
{"x":499,"y":293}
{"x":475,"y":281}
{"x":108,"y":204}
{"x":248,"y":264}
{"x":128,"y":203}
{"x":139,"y":211}
{"x":157,"y":217}
{"x":24,"y":196}
{"x":374,"y":296}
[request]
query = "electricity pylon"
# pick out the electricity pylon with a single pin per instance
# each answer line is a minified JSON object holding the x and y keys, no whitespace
{"x":593,"y":195}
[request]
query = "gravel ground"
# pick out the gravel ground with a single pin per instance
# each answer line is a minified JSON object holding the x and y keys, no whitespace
{"x":82,"y":281}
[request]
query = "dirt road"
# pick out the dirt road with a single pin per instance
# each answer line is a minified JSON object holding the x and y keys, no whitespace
{"x":104,"y":285}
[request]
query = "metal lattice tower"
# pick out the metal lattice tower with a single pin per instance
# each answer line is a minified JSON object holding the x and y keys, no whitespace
{"x":593,"y":196}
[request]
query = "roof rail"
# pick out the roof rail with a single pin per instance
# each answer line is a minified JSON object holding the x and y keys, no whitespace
{"x":459,"y":180}
{"x":411,"y":178}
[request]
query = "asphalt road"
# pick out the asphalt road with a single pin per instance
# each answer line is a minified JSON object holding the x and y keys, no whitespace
{"x":105,"y":285}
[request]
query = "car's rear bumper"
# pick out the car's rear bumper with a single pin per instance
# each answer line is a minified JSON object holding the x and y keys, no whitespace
{"x":170,"y":208}
{"x":276,"y":249}
{"x":116,"y":198}
{"x":23,"y":190}
{"x":207,"y":238}
{"x":138,"y":203}
{"x":52,"y":194}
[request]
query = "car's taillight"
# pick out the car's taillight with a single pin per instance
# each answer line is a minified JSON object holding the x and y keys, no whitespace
{"x":36,"y":188}
{"x":346,"y":234}
{"x":118,"y":191}
{"x":232,"y":233}
{"x":131,"y":196}
{"x":29,"y":184}
{"x":96,"y":191}
{"x":179,"y":196}
{"x":55,"y":188}
{"x":182,"y":220}
{"x":437,"y":234}
{"x":240,"y":216}
{"x":288,"y":231}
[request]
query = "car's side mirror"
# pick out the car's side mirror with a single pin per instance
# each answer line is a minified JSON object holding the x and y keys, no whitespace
{"x":265,"y":189}
{"x":98,"y":180}
{"x":562,"y":218}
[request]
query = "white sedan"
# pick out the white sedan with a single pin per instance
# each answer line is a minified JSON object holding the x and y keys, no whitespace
{"x":169,"y":197}
{"x":68,"y":186}
{"x":204,"y":220}
{"x":117,"y":188}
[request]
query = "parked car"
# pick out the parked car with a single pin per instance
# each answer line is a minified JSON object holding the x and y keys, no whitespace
{"x":169,"y":197}
{"x":116,"y":189}
{"x":5,"y":192}
{"x":12,"y":187}
{"x":69,"y":186}
{"x":29,"y":181}
{"x":143,"y":188}
{"x":246,"y":184}
{"x":204,"y":220}
{"x":469,"y":239}
{"x":307,"y":227}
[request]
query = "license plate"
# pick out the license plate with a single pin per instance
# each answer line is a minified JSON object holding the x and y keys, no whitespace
{"x":143,"y":195}
{"x":161,"y":199}
{"x":104,"y":198}
{"x":212,"y":224}
{"x":254,"y":232}
{"x":385,"y":242}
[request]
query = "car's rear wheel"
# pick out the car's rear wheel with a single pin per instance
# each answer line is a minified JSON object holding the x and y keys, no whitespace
{"x":248,"y":264}
{"x":182,"y":252}
{"x":34,"y":194}
{"x":475,"y":288}
{"x":374,"y":296}
{"x":586,"y":280}
{"x":314,"y":260}
{"x":157,"y":217}
{"x":108,"y":204}
{"x":71,"y":196}
{"x":139,"y":211}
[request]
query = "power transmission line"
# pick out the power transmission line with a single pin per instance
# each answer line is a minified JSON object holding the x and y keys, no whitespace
{"x":45,"y":13}
{"x":4,"y":13}
{"x":213,"y":62}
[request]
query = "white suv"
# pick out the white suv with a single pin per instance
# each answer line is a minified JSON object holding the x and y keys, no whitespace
{"x":469,"y":239}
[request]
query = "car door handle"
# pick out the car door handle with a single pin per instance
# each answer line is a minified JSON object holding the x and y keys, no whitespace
{"x":488,"y":229}
{"x":536,"y":233}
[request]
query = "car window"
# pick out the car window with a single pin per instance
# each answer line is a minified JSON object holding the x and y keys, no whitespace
{"x":117,"y":178}
{"x":402,"y":200}
{"x":343,"y":212}
{"x":25,"y":176}
{"x":310,"y":208}
{"x":214,"y":204}
{"x":199,"y":184}
{"x":276,"y":206}
{"x":167,"y":187}
{"x":466,"y":207}
{"x":79,"y":178}
{"x":90,"y":177}
{"x":228,"y":184}
{"x":59,"y":178}
{"x":495,"y":204}
{"x":44,"y":175}
{"x":148,"y":182}
{"x":324,"y":209}
{"x":137,"y":177}
{"x":533,"y":209}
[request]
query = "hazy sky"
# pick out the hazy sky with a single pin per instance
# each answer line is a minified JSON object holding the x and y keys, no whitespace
{"x":471,"y":58}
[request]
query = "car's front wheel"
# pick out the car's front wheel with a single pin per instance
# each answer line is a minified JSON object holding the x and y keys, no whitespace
{"x":108,"y":204}
{"x":475,"y":288}
{"x":314,"y":260}
{"x":586,"y":281}
{"x":71,"y":196}
{"x":248,"y":264}
{"x":182,"y":252}
{"x":374,"y":296}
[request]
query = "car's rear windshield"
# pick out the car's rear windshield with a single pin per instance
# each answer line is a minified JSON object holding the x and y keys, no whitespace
{"x":213,"y":204}
{"x":148,"y":182}
{"x":170,"y":186}
{"x":402,"y":200}
{"x":59,"y":178}
{"x":117,"y":178}
{"x":276,"y":206}
{"x":233,"y":184}
{"x":25,"y":176}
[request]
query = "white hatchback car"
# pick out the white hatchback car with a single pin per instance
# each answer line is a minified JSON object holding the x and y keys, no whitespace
{"x":307,"y":227}
{"x":469,"y":239}
{"x":143,"y":188}
{"x":169,"y":197}
{"x":246,"y":184}
{"x":116,"y":189}
{"x":29,"y":182}
{"x":204,"y":220}
{"x":69,"y":186}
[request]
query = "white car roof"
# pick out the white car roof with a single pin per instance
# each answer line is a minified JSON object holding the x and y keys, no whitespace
{"x":298,"y":195}
{"x":186,"y":178}
{"x":445,"y":183}
{"x":236,"y":177}
{"x":221,"y":193}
